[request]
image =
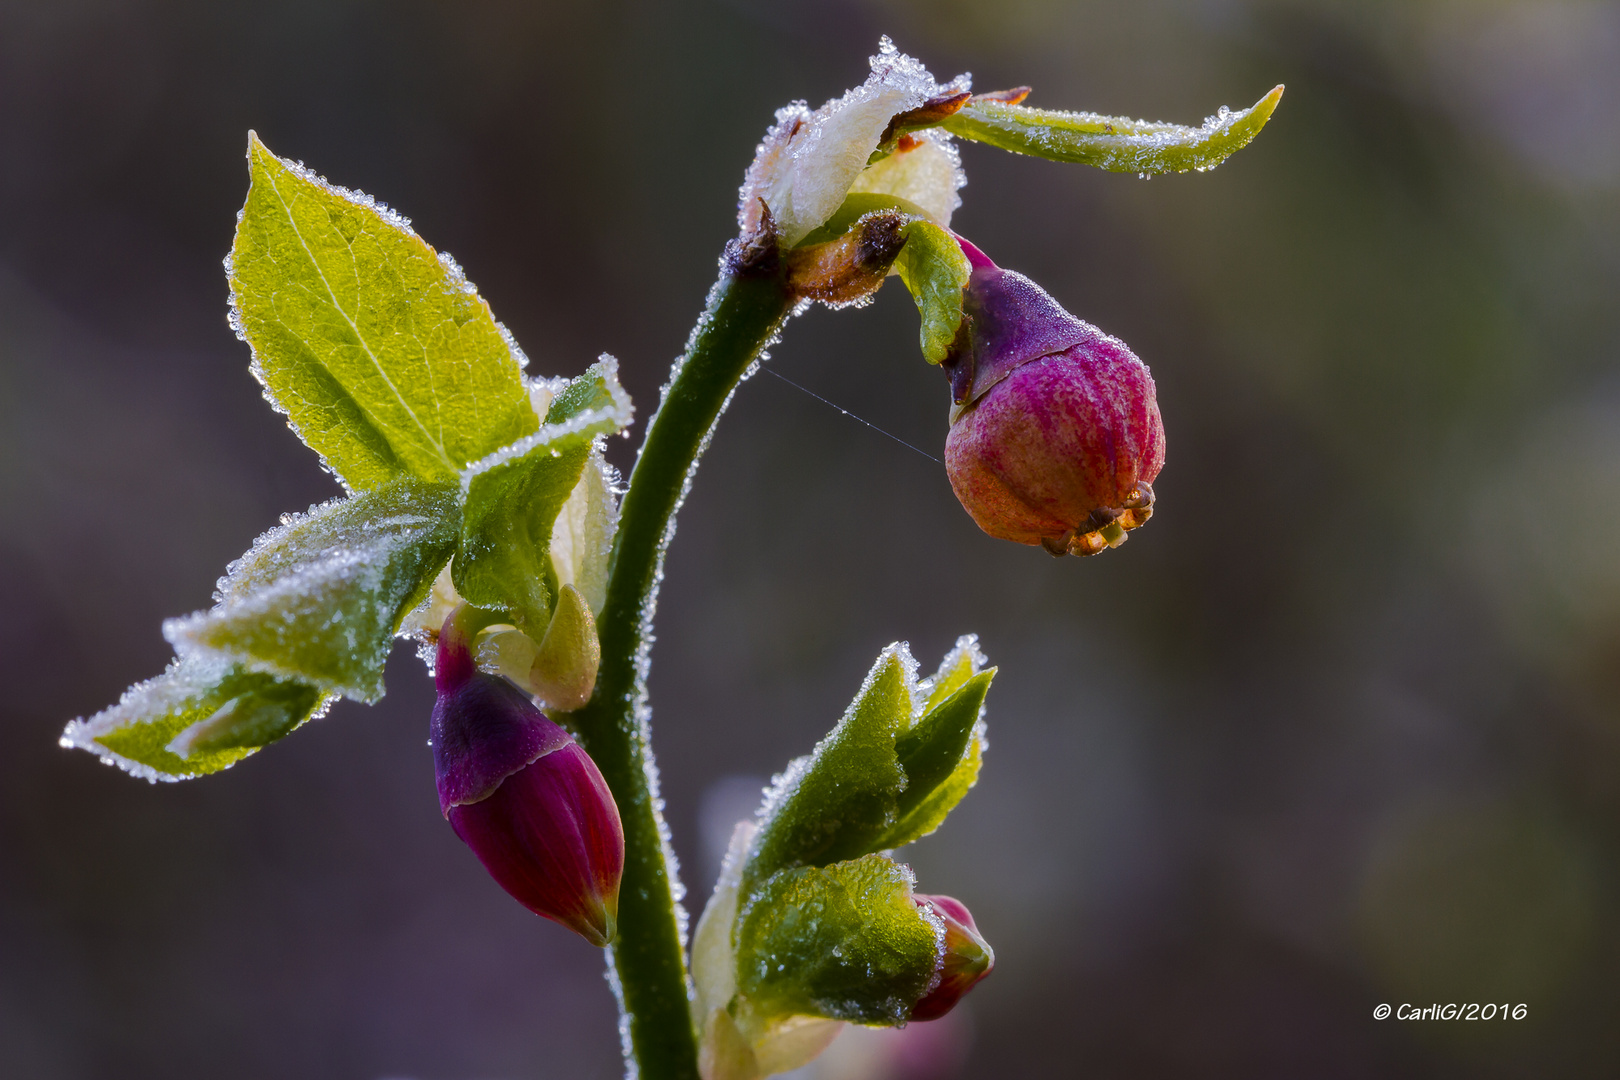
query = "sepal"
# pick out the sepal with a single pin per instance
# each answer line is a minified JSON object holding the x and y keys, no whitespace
{"x":935,"y":271}
{"x":559,"y":671}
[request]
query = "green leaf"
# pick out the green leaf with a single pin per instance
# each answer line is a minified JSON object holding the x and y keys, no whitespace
{"x":202,"y":715}
{"x":380,"y":352}
{"x":846,"y":942}
{"x":514,"y":495}
{"x":935,"y":270}
{"x":956,"y":689}
{"x":933,"y":748}
{"x":319,"y":599}
{"x":960,"y":664}
{"x":887,"y":774}
{"x":832,"y":804}
{"x":1114,"y":143}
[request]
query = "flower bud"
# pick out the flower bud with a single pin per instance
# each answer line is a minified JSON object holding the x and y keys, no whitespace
{"x":524,"y":795}
{"x":965,"y":960}
{"x":1055,"y":435}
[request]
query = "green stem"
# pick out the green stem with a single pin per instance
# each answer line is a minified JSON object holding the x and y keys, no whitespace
{"x":744,"y":313}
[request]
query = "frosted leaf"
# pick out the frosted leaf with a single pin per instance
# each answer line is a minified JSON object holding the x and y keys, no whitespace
{"x":1115,"y":143}
{"x":898,"y":761}
{"x":203,"y":714}
{"x":320,"y":598}
{"x":755,"y":1047}
{"x":514,"y":497}
{"x":964,"y":661}
{"x":378,"y":349}
{"x":928,"y":174}
{"x":840,"y":942}
{"x":808,"y":161}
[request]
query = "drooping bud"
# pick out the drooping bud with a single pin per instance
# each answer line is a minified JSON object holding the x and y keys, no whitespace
{"x":967,"y":958}
{"x":1055,"y":431}
{"x":521,"y":793}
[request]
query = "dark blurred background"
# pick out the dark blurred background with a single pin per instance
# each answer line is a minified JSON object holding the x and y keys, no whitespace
{"x":1341,"y":727}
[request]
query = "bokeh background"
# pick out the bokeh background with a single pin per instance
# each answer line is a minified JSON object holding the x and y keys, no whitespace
{"x":1341,"y":727}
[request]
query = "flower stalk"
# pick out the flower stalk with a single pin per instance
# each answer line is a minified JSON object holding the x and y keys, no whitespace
{"x":745,"y":310}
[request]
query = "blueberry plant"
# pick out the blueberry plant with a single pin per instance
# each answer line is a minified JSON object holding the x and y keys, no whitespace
{"x":482,"y":521}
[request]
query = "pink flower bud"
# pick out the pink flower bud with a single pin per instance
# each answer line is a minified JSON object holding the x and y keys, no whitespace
{"x":524,"y":796}
{"x":965,"y":959}
{"x":1055,"y":436}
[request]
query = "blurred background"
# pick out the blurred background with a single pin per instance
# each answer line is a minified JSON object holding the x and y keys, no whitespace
{"x":1341,"y":727}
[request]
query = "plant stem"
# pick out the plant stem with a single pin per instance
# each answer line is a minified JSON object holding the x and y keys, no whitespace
{"x":744,"y":312}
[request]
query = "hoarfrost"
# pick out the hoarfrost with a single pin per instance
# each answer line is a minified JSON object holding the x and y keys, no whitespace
{"x":808,"y":161}
{"x":618,"y":411}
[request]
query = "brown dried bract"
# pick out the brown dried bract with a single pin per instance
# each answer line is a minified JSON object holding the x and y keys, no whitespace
{"x":756,"y":252}
{"x":929,"y":113}
{"x":851,"y":267}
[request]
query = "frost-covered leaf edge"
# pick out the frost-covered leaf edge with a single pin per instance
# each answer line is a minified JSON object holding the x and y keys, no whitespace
{"x":453,"y":278}
{"x":184,"y":681}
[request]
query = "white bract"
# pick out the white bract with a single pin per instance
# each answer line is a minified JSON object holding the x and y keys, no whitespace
{"x":810,"y":161}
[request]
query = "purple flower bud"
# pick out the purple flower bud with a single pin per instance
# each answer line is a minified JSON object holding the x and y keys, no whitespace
{"x":524,"y":795}
{"x":966,"y":958}
{"x":1055,"y":436}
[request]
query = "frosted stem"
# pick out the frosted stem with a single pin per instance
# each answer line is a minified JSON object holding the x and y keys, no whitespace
{"x":744,"y":312}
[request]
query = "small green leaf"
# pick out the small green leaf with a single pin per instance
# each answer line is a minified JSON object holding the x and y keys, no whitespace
{"x":931,"y":811}
{"x":380,"y":352}
{"x":845,"y":942}
{"x":582,"y":538}
{"x":202,"y":715}
{"x":319,"y":599}
{"x":960,"y":664}
{"x":514,"y":495}
{"x":935,"y":270}
{"x":933,"y":748}
{"x":832,"y":804}
{"x":1114,"y":143}
{"x":955,"y":701}
{"x":887,"y":774}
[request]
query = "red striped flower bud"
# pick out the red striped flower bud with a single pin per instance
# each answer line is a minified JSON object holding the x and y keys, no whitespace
{"x":966,"y":958}
{"x":524,"y":795}
{"x":1055,"y":436}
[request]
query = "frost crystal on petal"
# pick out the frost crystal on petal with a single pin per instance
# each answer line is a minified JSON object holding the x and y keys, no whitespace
{"x":808,"y":161}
